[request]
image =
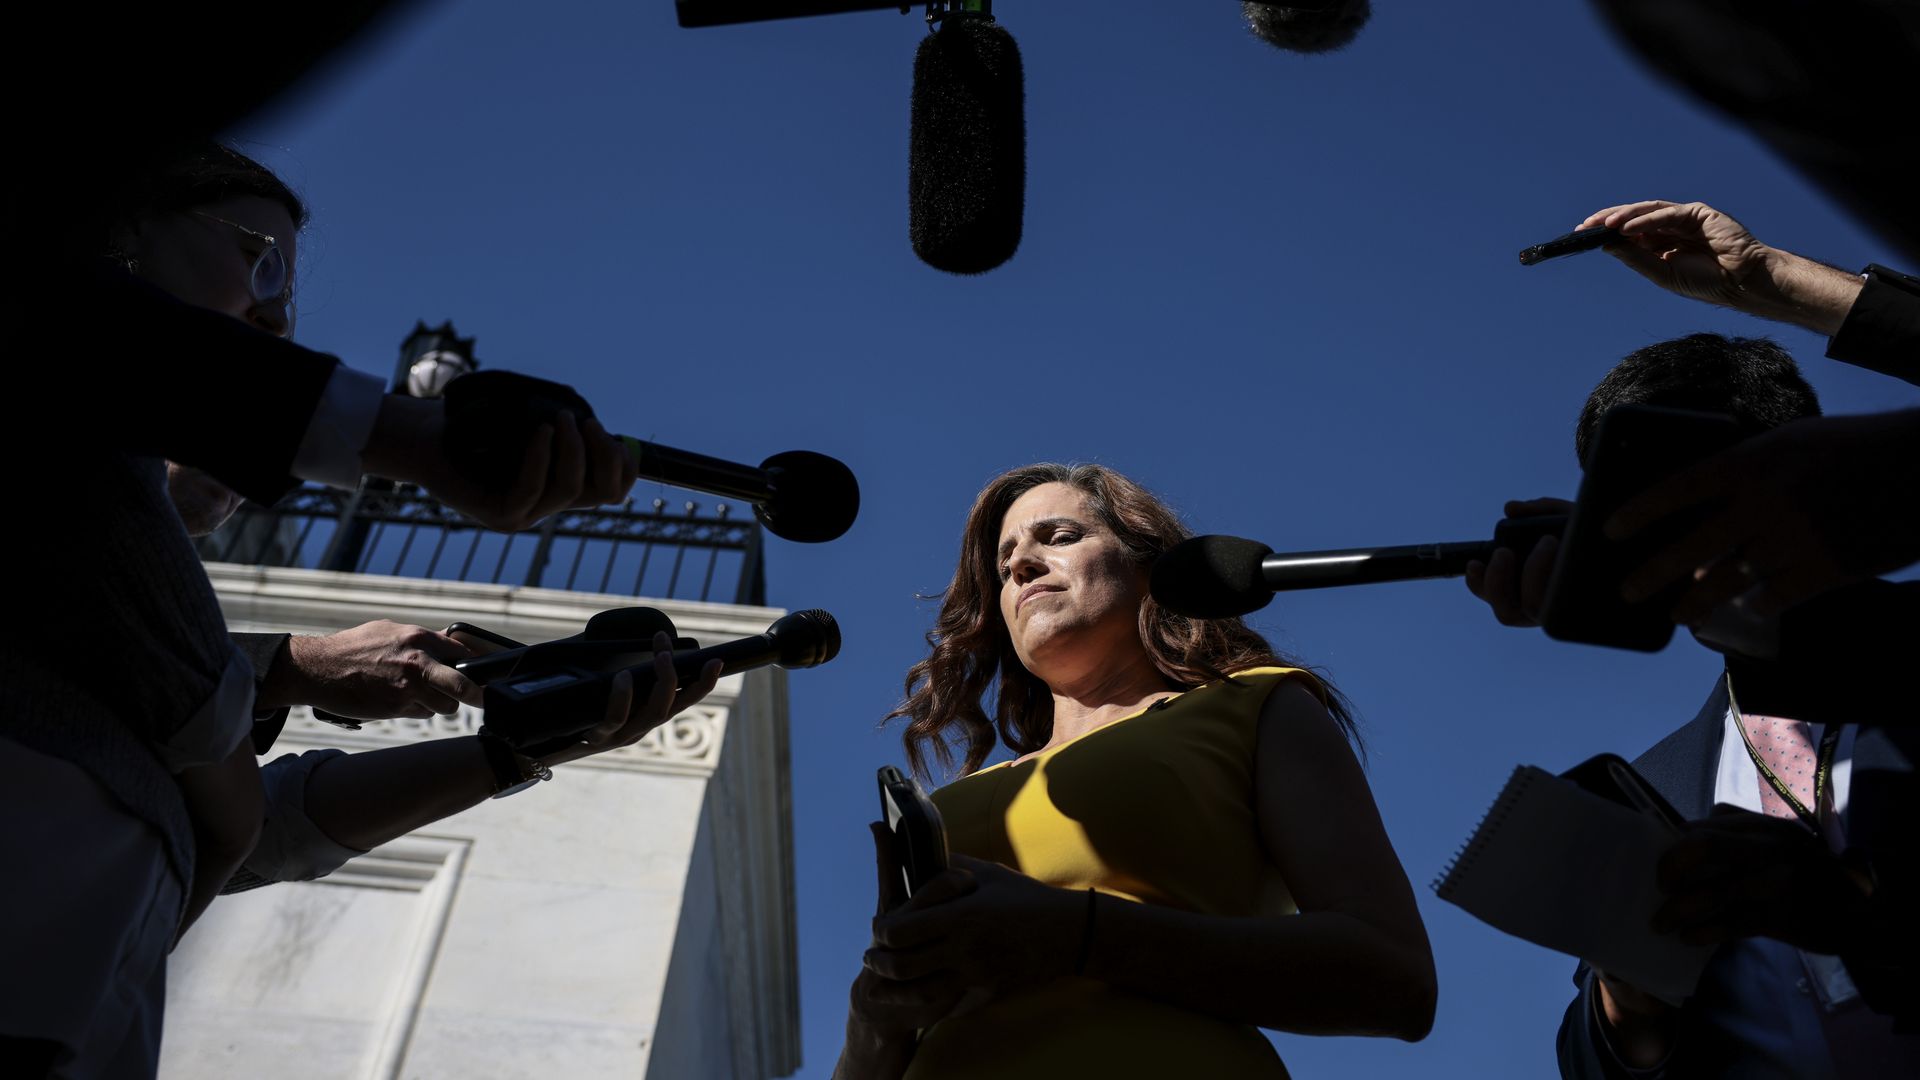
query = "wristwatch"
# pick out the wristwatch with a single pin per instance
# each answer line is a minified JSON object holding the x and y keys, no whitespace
{"x":512,"y":770}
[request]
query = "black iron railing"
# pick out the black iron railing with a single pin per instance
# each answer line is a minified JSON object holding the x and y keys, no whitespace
{"x":403,"y":531}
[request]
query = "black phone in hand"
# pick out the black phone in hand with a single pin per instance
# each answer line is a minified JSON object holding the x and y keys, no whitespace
{"x":919,"y":836}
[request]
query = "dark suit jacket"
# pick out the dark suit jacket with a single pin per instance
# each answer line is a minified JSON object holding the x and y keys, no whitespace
{"x":1881,"y":809}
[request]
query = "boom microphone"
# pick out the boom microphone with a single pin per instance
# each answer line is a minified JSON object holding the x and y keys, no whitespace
{"x":1220,"y":577}
{"x":1307,"y":26}
{"x":695,"y":13}
{"x":798,"y":495}
{"x":541,"y":712}
{"x":967,"y":151}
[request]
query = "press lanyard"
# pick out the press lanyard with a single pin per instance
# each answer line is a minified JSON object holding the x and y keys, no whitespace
{"x":1823,"y":773}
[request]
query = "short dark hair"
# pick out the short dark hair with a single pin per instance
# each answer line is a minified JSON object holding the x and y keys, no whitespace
{"x":1753,"y":380}
{"x":1307,"y":26}
{"x":195,"y":174}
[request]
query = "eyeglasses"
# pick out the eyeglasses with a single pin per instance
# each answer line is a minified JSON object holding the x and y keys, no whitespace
{"x":271,"y":279}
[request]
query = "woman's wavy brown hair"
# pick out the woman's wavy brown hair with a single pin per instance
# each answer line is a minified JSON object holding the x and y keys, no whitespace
{"x":973,"y":655}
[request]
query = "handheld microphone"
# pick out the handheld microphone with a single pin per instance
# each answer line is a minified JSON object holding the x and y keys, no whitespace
{"x":613,"y":640}
{"x":967,"y":150}
{"x":798,"y":495}
{"x":545,"y":711}
{"x":1220,"y":577}
{"x":1572,"y":243}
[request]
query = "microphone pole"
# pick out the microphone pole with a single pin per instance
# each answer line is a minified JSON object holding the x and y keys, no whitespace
{"x":1218,"y":577}
{"x":1363,"y":566}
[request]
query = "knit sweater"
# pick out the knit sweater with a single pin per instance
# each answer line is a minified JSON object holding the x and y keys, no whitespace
{"x":115,"y":648}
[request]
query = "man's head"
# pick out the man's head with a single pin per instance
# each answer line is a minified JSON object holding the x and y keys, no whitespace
{"x":1751,"y":379}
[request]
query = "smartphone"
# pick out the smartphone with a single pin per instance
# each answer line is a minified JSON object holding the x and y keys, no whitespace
{"x":1636,"y":447}
{"x":1571,"y":244}
{"x":1609,"y":776}
{"x":480,"y":640}
{"x":613,"y":640}
{"x":919,"y":837}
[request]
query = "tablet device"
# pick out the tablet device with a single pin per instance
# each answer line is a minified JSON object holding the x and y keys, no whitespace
{"x":1635,"y":447}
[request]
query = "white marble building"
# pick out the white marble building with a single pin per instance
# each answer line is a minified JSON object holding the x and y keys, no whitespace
{"x":632,"y":918}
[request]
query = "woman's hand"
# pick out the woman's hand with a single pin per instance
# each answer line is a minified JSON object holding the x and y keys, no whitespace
{"x":626,"y":722}
{"x":982,"y":925}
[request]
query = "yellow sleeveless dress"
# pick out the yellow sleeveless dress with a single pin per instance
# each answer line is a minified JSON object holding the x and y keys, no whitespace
{"x":1156,"y":808}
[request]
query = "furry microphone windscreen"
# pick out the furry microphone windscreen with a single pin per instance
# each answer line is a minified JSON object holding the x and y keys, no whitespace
{"x":967,"y":163}
{"x":1308,"y":26}
{"x":1211,"y":577}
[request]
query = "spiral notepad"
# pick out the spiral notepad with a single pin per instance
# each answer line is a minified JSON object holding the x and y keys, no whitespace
{"x":1557,"y":865}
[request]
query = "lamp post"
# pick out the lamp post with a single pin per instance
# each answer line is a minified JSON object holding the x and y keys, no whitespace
{"x":430,"y":358}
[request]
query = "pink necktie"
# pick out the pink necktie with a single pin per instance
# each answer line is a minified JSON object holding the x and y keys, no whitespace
{"x":1787,"y":748}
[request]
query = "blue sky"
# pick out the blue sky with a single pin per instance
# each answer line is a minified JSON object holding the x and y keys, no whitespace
{"x":1281,"y":291}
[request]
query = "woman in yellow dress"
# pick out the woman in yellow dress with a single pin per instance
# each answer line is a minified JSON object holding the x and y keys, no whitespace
{"x":1183,"y":851}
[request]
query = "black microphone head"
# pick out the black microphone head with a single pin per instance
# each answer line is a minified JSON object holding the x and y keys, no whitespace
{"x":1212,"y":577}
{"x":805,"y":638}
{"x":1307,"y":26}
{"x":967,"y":154}
{"x":815,"y":498}
{"x":628,"y":624}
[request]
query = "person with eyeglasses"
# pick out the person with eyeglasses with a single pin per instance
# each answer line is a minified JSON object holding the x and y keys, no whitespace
{"x":133,"y":794}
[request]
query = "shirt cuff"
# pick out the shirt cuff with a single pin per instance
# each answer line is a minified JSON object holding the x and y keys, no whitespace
{"x":292,"y":847}
{"x":341,"y":426}
{"x":1882,"y":329}
{"x":214,"y":729}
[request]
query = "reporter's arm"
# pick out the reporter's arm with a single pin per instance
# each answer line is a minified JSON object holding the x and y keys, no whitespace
{"x":1696,"y":251}
{"x":182,"y":382}
{"x":360,"y":801}
{"x":1881,"y":330}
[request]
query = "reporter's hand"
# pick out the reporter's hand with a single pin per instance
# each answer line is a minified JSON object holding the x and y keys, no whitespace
{"x":1517,"y":591}
{"x":1784,"y":516}
{"x":1698,"y":252}
{"x":374,"y":671}
{"x":563,"y":464}
{"x":225,"y":804}
{"x":1641,"y":1027}
{"x":1740,"y":874}
{"x":627,"y":721}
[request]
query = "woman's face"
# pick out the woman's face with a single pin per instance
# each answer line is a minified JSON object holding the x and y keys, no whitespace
{"x":1070,"y":594}
{"x":209,"y":263}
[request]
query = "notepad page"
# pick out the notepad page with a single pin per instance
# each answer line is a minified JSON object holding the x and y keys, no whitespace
{"x":1561,"y":867}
